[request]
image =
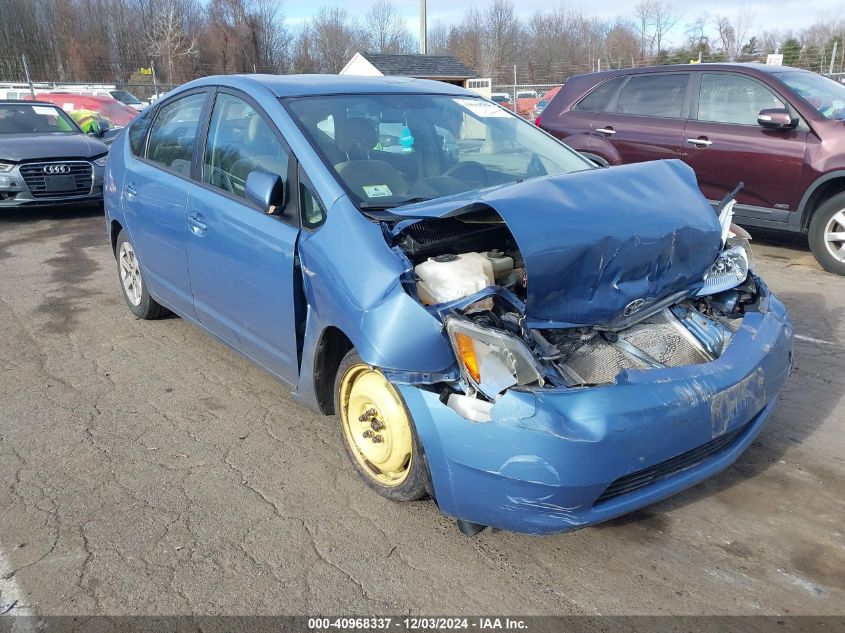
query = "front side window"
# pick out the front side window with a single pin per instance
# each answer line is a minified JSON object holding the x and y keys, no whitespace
{"x":599,"y":98}
{"x":240,"y":141}
{"x":174,"y":132}
{"x":825,"y":95}
{"x":733,"y":99}
{"x":389,"y":149}
{"x":24,"y":118}
{"x":654,"y":95}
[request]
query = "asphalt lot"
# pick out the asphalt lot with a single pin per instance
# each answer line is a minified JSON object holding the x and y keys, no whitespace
{"x":147,"y":469}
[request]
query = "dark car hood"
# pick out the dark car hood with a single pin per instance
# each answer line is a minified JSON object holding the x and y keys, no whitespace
{"x":598,"y":240}
{"x":19,"y":147}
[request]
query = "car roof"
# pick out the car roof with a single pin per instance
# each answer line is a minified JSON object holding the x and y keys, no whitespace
{"x":752,"y":66}
{"x":308,"y":85}
{"x":26,"y":102}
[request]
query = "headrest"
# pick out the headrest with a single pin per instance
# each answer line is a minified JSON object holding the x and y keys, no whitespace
{"x":355,"y":132}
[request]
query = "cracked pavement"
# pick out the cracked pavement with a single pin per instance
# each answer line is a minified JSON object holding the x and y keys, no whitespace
{"x":147,"y":469}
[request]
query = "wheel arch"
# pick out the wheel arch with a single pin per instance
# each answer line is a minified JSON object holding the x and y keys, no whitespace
{"x":822,"y":189}
{"x":114,"y":230}
{"x":331,"y":348}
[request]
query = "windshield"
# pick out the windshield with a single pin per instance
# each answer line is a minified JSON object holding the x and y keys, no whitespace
{"x":389,"y":150}
{"x":825,"y":95}
{"x":125,"y":97}
{"x":24,"y":118}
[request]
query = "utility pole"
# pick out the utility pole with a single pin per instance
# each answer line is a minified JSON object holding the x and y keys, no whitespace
{"x":155,"y":83}
{"x":832,"y":57}
{"x":515,"y":103}
{"x":28,"y":80}
{"x":423,"y":28}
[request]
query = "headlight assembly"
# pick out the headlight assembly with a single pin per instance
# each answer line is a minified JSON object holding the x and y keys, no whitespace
{"x":491,"y":360}
{"x":728,"y":271}
{"x":5,"y":168}
{"x":101,"y":161}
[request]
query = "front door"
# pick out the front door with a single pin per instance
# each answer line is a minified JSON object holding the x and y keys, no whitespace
{"x":645,"y":121}
{"x":725,"y":145}
{"x":155,"y":195}
{"x":241,"y":260}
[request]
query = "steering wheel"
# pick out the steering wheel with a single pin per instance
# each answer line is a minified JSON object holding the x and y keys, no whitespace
{"x":470,"y":172}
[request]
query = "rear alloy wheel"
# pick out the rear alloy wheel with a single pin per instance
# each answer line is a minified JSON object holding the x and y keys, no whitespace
{"x":827,"y":235}
{"x":138,"y":298}
{"x":377,"y":431}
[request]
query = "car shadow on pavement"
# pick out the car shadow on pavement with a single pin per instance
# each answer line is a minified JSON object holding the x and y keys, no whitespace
{"x":784,"y":428}
{"x":38,"y":214}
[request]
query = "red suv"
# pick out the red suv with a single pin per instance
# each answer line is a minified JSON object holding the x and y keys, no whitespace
{"x":779,"y":130}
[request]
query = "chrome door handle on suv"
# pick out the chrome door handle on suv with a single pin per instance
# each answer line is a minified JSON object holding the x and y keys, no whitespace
{"x":606,"y":130}
{"x":699,"y":142}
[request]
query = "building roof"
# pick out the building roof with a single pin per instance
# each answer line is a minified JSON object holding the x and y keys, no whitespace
{"x":423,"y":66}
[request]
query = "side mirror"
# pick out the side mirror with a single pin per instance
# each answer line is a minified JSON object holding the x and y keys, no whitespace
{"x":776,"y":119}
{"x":265,"y":190}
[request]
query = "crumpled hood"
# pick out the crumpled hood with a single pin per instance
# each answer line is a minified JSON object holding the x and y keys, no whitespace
{"x":598,"y":240}
{"x":19,"y":147}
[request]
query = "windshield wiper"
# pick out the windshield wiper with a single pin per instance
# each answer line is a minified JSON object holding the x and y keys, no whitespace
{"x":391,"y":205}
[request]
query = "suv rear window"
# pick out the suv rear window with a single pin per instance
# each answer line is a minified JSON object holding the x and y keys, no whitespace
{"x":598,"y":99}
{"x":654,"y":95}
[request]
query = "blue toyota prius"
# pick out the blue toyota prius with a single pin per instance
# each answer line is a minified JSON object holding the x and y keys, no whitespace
{"x":535,"y":343}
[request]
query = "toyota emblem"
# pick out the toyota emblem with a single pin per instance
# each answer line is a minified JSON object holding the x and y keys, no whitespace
{"x":56,"y":169}
{"x":635,"y":306}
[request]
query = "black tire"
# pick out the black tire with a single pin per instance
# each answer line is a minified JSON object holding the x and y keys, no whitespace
{"x":818,"y":225}
{"x":147,"y":307}
{"x":413,"y":487}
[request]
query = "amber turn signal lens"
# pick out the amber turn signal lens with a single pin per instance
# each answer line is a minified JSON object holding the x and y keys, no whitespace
{"x":466,"y":353}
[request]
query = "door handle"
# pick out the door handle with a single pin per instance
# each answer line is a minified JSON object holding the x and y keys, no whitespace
{"x":606,"y":130}
{"x":197,"y":223}
{"x":130,"y":190}
{"x":699,"y":142}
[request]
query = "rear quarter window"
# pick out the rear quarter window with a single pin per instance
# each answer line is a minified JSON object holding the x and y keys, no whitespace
{"x":138,"y":133}
{"x":597,"y":100}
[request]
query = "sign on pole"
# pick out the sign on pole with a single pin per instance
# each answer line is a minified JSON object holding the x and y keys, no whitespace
{"x":773,"y":59}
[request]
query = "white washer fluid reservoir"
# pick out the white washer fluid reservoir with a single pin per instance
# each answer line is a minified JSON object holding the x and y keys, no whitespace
{"x":451,"y":277}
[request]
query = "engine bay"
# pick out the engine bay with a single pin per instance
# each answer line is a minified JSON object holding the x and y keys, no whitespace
{"x":470,"y":273}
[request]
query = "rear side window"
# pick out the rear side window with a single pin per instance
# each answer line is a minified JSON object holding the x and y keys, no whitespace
{"x":137,"y":133}
{"x":174,"y":132}
{"x":598,"y":99}
{"x":733,"y":99}
{"x":654,"y":95}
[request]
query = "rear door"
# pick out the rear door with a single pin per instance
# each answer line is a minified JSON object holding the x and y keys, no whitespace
{"x":645,"y":120}
{"x":242,"y":261}
{"x":725,"y":145}
{"x":155,"y":195}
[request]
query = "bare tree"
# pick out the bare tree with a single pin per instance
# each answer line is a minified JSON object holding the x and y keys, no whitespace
{"x":733,"y":36}
{"x":168,"y":38}
{"x":655,"y":18}
{"x":501,"y":29}
{"x":334,"y":36}
{"x":386,"y":31}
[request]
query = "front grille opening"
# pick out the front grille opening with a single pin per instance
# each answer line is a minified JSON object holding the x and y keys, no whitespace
{"x":652,"y":474}
{"x":77,"y":181}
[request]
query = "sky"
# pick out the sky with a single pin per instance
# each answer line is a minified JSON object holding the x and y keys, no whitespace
{"x":767,"y":15}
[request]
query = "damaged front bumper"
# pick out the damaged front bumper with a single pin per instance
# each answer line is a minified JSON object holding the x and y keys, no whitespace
{"x":557,"y":459}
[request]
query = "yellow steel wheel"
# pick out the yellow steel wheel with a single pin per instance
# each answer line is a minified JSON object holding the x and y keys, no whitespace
{"x":375,"y":425}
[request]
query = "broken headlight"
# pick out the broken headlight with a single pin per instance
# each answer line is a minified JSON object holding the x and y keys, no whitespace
{"x":728,"y":271}
{"x":491,"y":360}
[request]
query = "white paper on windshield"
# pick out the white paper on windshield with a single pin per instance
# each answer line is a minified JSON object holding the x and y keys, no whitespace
{"x":377,"y":191}
{"x":481,"y":108}
{"x":45,"y":110}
